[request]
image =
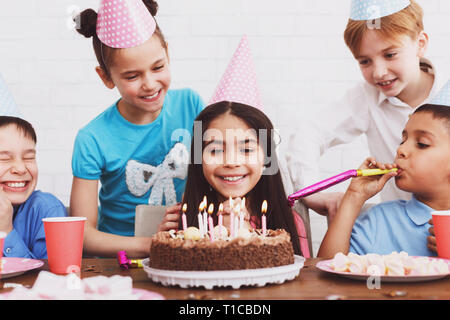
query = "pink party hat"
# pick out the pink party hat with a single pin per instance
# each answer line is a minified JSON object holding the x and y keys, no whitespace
{"x":239,"y":83}
{"x":124,"y":23}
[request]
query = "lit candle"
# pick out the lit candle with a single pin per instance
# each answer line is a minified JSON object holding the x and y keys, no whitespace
{"x":236,"y":226}
{"x":200,"y":218}
{"x":220,"y":216}
{"x":231,"y":218}
{"x":240,"y":215}
{"x":205,"y":216}
{"x":210,"y":221}
{"x":263,"y":218}
{"x":183,"y":216}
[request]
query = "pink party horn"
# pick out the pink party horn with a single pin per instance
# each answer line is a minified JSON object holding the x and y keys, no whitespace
{"x":321,"y":185}
{"x":126,"y":263}
{"x":335,"y":180}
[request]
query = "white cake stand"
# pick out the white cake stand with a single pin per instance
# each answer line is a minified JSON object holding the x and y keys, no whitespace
{"x":233,"y":278}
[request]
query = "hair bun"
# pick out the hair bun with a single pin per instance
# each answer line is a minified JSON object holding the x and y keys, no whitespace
{"x":152,"y":6}
{"x":87,"y":23}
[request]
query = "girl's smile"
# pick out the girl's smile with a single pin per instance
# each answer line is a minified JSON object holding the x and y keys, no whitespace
{"x":142,"y":76}
{"x":152,"y":97}
{"x":232,"y":157}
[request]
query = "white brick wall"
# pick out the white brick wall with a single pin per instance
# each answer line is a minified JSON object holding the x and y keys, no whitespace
{"x":297,"y":44}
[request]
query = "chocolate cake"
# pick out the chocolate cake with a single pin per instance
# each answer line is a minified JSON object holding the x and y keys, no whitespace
{"x":170,"y":251}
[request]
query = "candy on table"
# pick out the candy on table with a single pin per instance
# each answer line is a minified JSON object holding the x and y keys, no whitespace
{"x":394,"y":264}
{"x":71,"y":287}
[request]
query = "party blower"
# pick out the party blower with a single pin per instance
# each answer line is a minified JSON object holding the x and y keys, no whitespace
{"x":335,"y":180}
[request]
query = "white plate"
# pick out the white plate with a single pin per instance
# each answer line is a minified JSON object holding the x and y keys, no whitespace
{"x":325,"y":265}
{"x":233,"y":278}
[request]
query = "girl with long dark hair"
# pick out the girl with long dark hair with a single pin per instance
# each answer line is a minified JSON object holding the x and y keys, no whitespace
{"x":233,"y":156}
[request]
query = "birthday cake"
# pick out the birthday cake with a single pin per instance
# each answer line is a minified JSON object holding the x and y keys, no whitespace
{"x":249,"y":249}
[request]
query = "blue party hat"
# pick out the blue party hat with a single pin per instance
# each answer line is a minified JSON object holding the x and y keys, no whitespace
{"x":443,"y":97}
{"x":374,"y":9}
{"x":7,"y":105}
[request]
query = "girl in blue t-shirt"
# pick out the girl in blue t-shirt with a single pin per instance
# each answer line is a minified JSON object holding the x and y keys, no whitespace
{"x":137,"y":148}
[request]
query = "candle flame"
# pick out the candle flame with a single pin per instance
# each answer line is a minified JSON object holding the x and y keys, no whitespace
{"x":264,"y":207}
{"x":243,"y":202}
{"x":231,"y":203}
{"x":211,"y":208}
{"x":201,"y":206}
{"x":220,"y":208}
{"x":205,"y":201}
{"x":184,"y":208}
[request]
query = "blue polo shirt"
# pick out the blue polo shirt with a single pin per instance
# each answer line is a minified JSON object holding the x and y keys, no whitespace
{"x":27,"y":238}
{"x":393,"y":226}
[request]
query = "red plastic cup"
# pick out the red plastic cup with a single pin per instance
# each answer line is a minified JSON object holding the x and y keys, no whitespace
{"x":64,"y":239}
{"x":441,"y":221}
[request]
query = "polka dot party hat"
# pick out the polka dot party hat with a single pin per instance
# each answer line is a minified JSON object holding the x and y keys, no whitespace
{"x":239,"y":84}
{"x":124,"y":23}
{"x":374,"y":9}
{"x":443,"y":97}
{"x":7,"y":105}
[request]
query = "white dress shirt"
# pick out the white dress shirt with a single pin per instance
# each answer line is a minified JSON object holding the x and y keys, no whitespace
{"x":363,"y":110}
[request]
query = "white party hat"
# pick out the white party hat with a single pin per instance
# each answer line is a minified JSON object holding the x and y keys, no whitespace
{"x":443,"y":97}
{"x":124,"y":23}
{"x":239,"y":83}
{"x":374,"y":9}
{"x":7,"y":105}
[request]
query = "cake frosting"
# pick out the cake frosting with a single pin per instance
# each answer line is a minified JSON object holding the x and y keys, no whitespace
{"x":394,"y":264}
{"x":248,"y":250}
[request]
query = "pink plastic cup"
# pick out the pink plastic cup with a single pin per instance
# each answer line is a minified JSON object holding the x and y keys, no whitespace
{"x":441,"y":221}
{"x":64,"y":239}
{"x":2,"y":241}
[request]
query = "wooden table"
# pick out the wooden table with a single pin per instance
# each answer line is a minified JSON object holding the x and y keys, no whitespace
{"x":311,"y":284}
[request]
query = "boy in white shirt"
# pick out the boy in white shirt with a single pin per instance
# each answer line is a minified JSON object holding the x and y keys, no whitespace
{"x":390,"y":51}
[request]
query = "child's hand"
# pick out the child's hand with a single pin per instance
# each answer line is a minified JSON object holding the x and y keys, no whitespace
{"x":171,"y":218}
{"x":431,"y":240}
{"x":6,"y":212}
{"x":324,"y":203}
{"x":367,"y":187}
{"x":227,"y":211}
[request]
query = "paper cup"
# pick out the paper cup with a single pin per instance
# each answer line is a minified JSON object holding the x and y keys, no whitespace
{"x":64,"y":239}
{"x":441,"y":221}
{"x":2,"y":241}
